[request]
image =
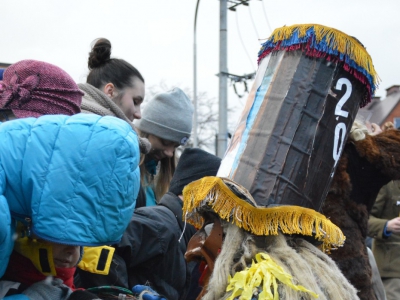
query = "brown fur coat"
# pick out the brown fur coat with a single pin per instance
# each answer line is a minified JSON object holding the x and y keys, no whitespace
{"x":364,"y":167}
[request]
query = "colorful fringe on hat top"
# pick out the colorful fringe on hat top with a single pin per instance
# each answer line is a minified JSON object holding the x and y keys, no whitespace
{"x":213,"y":193}
{"x":329,"y":43}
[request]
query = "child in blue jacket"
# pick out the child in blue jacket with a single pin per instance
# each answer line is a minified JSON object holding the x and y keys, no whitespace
{"x":67,"y":182}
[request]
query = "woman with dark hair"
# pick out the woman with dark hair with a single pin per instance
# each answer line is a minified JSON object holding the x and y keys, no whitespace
{"x":114,"y":87}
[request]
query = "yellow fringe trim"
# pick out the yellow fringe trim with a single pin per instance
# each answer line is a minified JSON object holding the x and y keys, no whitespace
{"x":213,"y":192}
{"x":265,"y":271}
{"x":336,"y":39}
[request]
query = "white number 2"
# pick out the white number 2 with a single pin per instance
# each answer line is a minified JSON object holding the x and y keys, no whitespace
{"x":346,"y":96}
{"x":340,"y":129}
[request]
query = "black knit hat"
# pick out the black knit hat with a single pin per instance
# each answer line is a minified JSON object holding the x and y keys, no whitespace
{"x":193,"y":164}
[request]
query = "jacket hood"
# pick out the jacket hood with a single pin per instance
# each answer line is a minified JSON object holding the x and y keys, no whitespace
{"x":75,"y":178}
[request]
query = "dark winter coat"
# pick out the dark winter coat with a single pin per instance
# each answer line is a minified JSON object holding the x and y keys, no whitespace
{"x":150,"y":252}
{"x":141,"y":199}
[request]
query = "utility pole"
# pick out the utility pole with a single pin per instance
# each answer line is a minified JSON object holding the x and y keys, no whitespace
{"x":222,"y":137}
{"x":195,"y":121}
{"x":223,"y":80}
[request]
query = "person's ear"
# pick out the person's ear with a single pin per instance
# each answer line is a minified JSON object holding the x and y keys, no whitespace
{"x":109,"y":90}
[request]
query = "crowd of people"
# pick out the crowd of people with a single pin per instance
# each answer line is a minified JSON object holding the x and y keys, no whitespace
{"x":95,"y":203}
{"x":125,"y":251}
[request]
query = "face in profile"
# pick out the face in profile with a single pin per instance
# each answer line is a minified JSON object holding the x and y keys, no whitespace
{"x":65,"y":256}
{"x":206,"y":244}
{"x":161,"y":148}
{"x":130,"y":99}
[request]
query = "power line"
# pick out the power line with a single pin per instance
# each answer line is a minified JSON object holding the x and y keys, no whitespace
{"x":252,"y":22}
{"x":243,"y":45}
{"x":241,"y":79}
{"x":266,"y":18}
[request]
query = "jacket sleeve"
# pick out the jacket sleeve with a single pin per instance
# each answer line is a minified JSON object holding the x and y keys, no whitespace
{"x":6,"y":228}
{"x":146,"y":240}
{"x":148,"y":235}
{"x":141,"y":198}
{"x":375,"y":223}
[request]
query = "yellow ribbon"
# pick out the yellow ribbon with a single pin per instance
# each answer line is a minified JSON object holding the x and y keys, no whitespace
{"x":264,"y":271}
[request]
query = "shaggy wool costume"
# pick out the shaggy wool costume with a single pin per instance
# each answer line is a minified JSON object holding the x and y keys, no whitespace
{"x":295,"y":255}
{"x":365,"y":166}
{"x":377,"y":284}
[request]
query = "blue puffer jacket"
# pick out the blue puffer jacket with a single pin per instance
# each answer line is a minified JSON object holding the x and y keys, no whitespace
{"x":75,"y":179}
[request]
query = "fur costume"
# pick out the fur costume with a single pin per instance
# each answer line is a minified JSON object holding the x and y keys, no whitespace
{"x":365,"y":166}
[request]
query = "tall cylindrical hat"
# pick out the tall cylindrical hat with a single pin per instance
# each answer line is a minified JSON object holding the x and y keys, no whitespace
{"x":276,"y":173}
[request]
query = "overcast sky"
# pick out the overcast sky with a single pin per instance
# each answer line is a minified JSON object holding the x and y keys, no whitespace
{"x":156,"y":36}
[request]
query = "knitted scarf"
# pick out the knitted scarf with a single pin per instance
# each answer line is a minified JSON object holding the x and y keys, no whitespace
{"x":96,"y":102}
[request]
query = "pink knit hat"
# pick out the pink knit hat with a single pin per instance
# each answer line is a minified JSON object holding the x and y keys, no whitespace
{"x":33,"y":88}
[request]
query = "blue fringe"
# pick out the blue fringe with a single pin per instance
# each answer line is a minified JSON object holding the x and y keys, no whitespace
{"x":321,"y":46}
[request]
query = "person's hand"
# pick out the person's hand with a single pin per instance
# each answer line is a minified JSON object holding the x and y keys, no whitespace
{"x":388,"y":126}
{"x":394,"y":225}
{"x":147,"y":293}
{"x":373,"y":129}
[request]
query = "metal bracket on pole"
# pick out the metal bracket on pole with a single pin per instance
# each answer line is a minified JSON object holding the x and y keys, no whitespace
{"x":239,"y":79}
{"x":237,"y":3}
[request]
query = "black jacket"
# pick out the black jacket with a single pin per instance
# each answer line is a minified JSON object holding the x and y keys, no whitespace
{"x":141,"y":198}
{"x":150,"y":252}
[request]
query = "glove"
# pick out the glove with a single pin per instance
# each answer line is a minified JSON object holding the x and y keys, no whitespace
{"x":147,"y":293}
{"x":48,"y":289}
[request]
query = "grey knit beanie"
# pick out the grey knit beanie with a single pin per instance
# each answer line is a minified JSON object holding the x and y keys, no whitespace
{"x":168,"y":116}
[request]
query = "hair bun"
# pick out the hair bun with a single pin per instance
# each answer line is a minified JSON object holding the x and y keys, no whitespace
{"x":100,"y":54}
